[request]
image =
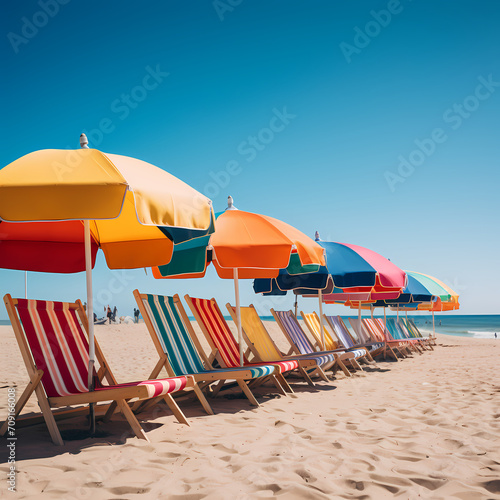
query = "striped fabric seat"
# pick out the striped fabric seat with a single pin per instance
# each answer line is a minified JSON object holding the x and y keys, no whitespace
{"x":60,"y":348}
{"x":314,"y":325}
{"x":155,"y":388}
{"x":177,"y":343}
{"x":223,"y":339}
{"x":396,"y":332}
{"x":341,"y":330}
{"x":298,"y":337}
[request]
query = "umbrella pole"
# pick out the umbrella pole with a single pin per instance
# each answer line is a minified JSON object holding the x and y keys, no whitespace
{"x":296,"y":305}
{"x":371,"y":311}
{"x":238,"y":313}
{"x":433,"y":326}
{"x":90,"y":317}
{"x":320,"y":297}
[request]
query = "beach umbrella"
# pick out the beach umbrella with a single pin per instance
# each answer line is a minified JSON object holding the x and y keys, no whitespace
{"x":446,"y":298}
{"x":245,"y":245}
{"x":353,"y":273}
{"x":58,"y":207}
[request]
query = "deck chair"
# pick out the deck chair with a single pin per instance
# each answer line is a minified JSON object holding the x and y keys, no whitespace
{"x":415,"y":333}
{"x":419,"y":343}
{"x":225,"y":348}
{"x":338,"y":326}
{"x":431,"y":338}
{"x":394,"y":330}
{"x":300,"y":344}
{"x":53,"y":339}
{"x":398,"y":345}
{"x":262,"y":347}
{"x":370,"y":329}
{"x":313,"y":324}
{"x":179,"y":349}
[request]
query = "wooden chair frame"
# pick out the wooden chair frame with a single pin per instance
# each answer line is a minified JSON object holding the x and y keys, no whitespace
{"x":276,"y":378}
{"x":119,"y":395}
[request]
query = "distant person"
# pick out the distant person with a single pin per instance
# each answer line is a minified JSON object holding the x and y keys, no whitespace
{"x":109,"y":314}
{"x":114,"y":314}
{"x":136,"y":315}
{"x":495,"y":334}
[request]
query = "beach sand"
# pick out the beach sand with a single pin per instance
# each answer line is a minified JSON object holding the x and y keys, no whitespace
{"x":426,"y":427}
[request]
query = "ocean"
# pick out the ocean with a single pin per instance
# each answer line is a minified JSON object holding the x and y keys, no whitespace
{"x":481,"y":326}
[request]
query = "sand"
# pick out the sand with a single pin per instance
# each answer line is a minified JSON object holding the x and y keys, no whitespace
{"x":426,"y":427}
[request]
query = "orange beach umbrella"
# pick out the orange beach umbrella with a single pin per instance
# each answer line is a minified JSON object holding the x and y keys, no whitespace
{"x":248,"y":245}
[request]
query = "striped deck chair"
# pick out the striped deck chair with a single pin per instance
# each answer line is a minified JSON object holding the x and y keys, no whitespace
{"x":300,"y":344}
{"x":312,"y":322}
{"x":414,"y":332}
{"x":405,"y":331}
{"x":53,"y":340}
{"x":395,"y":331}
{"x":396,"y":344}
{"x":263,"y":348}
{"x":225,"y":348}
{"x":337,"y":324}
{"x":371,"y":329}
{"x":180,"y":351}
{"x":430,"y":337}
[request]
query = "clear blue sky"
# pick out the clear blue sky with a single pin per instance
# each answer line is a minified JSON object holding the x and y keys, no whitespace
{"x":318,"y":102}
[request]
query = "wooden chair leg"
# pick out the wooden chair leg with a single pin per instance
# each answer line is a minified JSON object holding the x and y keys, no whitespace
{"x":110,"y":411}
{"x":217,"y":388}
{"x":175,"y":409}
{"x":322,"y":374}
{"x":306,"y":376}
{"x":284,"y":383}
{"x":248,"y":392}
{"x":48,"y":416}
{"x":357,"y":365}
{"x":343,"y":367}
{"x":203,"y":400}
{"x":278,"y":383}
{"x":21,"y":402}
{"x":131,"y":419}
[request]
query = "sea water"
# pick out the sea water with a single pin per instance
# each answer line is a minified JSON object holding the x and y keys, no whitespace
{"x":465,"y":325}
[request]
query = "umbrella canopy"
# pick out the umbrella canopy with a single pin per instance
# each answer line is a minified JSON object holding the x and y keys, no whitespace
{"x":447,"y":299}
{"x":354,"y":272}
{"x":136,"y":211}
{"x":256,"y":245}
{"x":58,"y":206}
{"x":245,"y":245}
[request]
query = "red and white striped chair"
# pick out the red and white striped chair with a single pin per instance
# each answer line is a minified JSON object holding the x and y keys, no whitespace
{"x":225,"y":348}
{"x":53,"y":340}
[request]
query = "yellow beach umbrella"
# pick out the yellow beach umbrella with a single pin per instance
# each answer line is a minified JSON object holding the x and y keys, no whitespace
{"x":58,"y":207}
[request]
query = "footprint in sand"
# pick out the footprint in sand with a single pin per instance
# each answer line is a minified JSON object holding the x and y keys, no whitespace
{"x":128,"y":490}
{"x":305,"y":475}
{"x":430,"y":484}
{"x":492,"y":486}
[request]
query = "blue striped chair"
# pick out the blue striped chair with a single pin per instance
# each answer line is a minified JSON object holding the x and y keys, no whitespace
{"x":338,"y":326}
{"x":300,"y":344}
{"x":180,"y":351}
{"x":342,"y":341}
